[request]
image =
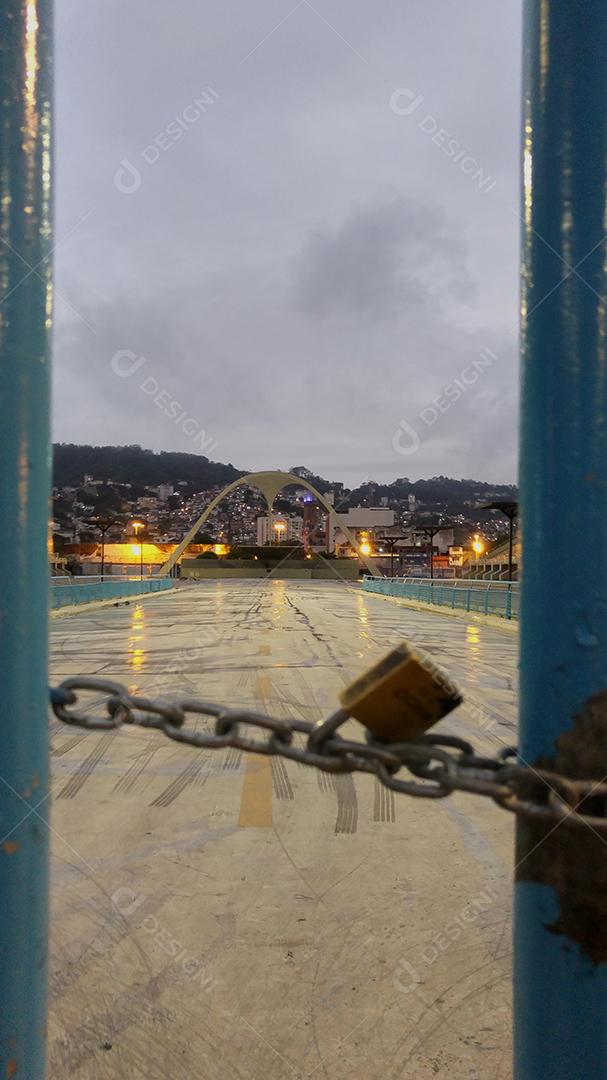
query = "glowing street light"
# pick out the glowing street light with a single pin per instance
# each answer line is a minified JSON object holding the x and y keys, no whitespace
{"x":136,"y":525}
{"x":279,"y":528}
{"x":477,"y":546}
{"x":510,"y":509}
{"x":365,"y":548}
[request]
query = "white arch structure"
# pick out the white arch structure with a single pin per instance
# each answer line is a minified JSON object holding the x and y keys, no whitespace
{"x":269,"y":484}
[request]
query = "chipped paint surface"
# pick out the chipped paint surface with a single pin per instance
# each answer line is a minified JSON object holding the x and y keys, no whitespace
{"x":573,"y":861}
{"x":26,"y":289}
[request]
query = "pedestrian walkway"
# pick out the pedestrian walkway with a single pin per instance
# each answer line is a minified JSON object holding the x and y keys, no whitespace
{"x":222,"y":916}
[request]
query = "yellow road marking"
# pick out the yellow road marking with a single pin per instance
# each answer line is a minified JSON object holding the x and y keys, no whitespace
{"x":263,"y":687}
{"x":256,"y":797}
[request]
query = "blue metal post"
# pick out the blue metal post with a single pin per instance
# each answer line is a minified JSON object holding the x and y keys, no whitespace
{"x":25,"y":311}
{"x":561,"y":889}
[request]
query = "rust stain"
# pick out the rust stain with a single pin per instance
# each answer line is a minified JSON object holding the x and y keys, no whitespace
{"x":572,"y":860}
{"x":11,"y":1067}
{"x":10,"y":847}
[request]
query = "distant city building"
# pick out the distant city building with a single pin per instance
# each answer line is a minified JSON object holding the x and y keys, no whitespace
{"x":164,"y":491}
{"x":368,"y":520}
{"x":366,"y":517}
{"x":277,"y":527}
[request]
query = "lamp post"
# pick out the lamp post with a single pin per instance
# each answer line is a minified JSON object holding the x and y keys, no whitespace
{"x":478,"y":547}
{"x":430,"y":530}
{"x":510,"y":509}
{"x":392,"y":541}
{"x":137,"y":525}
{"x":103,"y":527}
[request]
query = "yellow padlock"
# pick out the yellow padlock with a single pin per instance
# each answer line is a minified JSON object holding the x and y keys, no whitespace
{"x":401,"y":696}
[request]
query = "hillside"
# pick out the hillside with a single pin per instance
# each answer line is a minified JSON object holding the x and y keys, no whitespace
{"x":136,"y":466}
{"x":146,"y":468}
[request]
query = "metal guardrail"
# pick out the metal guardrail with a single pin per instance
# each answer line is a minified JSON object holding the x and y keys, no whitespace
{"x":93,"y":579}
{"x":486,"y":597}
{"x":84,"y":590}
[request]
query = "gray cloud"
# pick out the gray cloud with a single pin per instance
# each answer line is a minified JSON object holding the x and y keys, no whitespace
{"x":385,"y":262}
{"x":302,"y":267}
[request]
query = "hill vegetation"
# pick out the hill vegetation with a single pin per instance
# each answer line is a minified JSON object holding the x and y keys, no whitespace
{"x":146,"y":468}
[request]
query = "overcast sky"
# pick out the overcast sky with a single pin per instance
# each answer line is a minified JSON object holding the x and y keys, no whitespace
{"x":287,"y":235}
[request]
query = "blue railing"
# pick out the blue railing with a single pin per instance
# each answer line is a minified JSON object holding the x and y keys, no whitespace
{"x":66,"y":591}
{"x":486,"y":597}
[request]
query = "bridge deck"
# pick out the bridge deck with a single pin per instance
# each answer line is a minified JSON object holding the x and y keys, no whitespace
{"x":224,"y":917}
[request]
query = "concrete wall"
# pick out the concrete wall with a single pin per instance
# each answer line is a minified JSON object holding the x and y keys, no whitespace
{"x":366,"y":517}
{"x":205,"y":569}
{"x":79,"y":591}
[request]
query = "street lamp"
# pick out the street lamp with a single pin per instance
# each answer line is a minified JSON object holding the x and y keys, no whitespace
{"x":430,"y":530}
{"x":365,"y":548}
{"x":103,"y":525}
{"x":392,"y":541}
{"x":279,"y":529}
{"x":136,"y":526}
{"x":510,"y":509}
{"x":478,"y":547}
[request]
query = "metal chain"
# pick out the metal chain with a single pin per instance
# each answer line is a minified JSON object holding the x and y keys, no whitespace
{"x":443,"y":763}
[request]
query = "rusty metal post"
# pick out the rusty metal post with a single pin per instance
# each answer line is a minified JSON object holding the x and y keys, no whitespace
{"x":25,"y":312}
{"x":561,"y":875}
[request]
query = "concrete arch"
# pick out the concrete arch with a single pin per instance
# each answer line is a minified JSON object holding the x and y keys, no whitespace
{"x":269,"y":483}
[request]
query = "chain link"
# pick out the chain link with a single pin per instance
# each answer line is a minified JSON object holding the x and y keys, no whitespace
{"x":437,"y":764}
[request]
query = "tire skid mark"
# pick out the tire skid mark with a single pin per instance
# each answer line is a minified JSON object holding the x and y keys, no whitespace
{"x":177,"y":786}
{"x":384,"y":806}
{"x":69,"y":744}
{"x":346,"y":820}
{"x":324,"y":781}
{"x":86,"y":768}
{"x":131,"y":776}
{"x":280,"y":780}
{"x":347,"y":804}
{"x":232,"y":758}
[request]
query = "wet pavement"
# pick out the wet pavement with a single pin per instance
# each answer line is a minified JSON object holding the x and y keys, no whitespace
{"x":222,"y":916}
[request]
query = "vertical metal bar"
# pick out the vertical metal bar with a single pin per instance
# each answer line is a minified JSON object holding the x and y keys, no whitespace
{"x":25,"y":312}
{"x":561,"y":889}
